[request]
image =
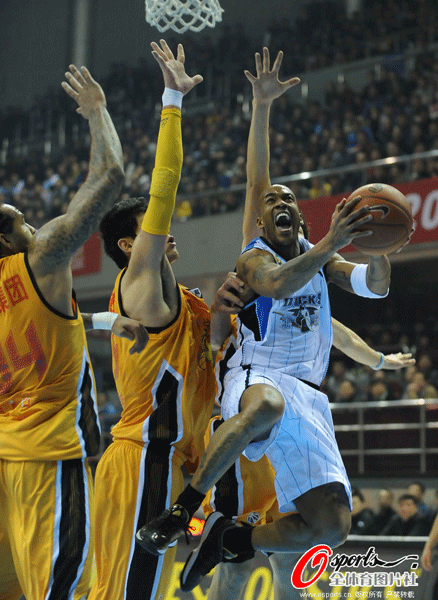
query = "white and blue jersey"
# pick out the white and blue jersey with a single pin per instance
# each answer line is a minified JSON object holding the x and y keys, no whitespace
{"x":292,"y":335}
{"x":286,"y":344}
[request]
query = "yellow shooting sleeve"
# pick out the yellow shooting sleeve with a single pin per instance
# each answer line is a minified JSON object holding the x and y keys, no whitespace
{"x":166,"y":174}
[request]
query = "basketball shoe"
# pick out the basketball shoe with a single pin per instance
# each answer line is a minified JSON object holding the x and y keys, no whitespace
{"x":163,"y":532}
{"x":211,"y":551}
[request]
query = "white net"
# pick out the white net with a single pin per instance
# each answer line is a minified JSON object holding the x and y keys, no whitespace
{"x":181,"y":15}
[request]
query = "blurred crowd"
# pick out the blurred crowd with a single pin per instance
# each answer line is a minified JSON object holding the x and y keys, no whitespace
{"x":396,"y":113}
{"x":408,"y":515}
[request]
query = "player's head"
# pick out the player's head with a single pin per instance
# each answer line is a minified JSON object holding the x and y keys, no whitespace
{"x":120,"y":226}
{"x":15,"y":233}
{"x":279,"y":216}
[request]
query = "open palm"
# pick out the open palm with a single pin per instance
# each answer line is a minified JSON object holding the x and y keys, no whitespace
{"x":266,"y":86}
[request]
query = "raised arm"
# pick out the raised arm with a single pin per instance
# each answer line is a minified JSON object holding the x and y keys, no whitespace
{"x":149,"y":287}
{"x":355,"y":347}
{"x":55,"y":243}
{"x":265,"y":87}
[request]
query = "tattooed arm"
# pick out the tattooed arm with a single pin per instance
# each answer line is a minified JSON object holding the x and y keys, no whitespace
{"x":53,"y":245}
{"x":56,"y":242}
{"x":378,"y":275}
{"x":263,"y":276}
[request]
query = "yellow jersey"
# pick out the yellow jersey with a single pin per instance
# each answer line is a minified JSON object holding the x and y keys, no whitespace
{"x":167,"y":391}
{"x":48,"y":408}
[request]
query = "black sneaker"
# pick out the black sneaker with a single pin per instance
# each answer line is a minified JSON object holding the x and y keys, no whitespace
{"x":210,"y":551}
{"x":163,"y":532}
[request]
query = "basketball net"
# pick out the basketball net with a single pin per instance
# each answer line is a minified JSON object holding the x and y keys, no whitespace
{"x":181,"y":15}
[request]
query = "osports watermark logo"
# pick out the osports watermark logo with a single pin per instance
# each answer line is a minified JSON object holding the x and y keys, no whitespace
{"x":319,"y":557}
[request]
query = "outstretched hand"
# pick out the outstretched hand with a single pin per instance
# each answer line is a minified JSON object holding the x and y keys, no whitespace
{"x":398,"y":361}
{"x":84,"y":90}
{"x":175,"y":76}
{"x":130,"y":329}
{"x":266,"y":86}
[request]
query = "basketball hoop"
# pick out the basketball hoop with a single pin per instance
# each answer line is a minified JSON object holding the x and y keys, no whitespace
{"x":181,"y":15}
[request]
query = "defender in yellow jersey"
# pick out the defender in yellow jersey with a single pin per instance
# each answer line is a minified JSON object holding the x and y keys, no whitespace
{"x":48,"y":416}
{"x":166,"y":392}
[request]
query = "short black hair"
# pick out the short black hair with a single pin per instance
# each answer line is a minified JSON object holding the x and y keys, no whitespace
{"x":6,"y":222}
{"x":121,"y":221}
{"x":358,"y":493}
{"x":408,"y":497}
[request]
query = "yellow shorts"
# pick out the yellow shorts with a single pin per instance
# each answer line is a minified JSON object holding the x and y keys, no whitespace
{"x":246,"y":491}
{"x":46,"y":529}
{"x":133,"y":484}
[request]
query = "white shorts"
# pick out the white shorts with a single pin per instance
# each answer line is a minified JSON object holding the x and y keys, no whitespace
{"x":301,"y":446}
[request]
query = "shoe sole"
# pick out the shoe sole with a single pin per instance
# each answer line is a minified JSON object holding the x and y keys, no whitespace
{"x":150,"y":547}
{"x":194,"y":553}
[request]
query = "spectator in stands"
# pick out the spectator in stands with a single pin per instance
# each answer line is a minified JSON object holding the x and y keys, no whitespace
{"x":408,"y":521}
{"x":417,"y":489}
{"x":347,"y":391}
{"x":420,"y":388}
{"x":361,"y":516}
{"x":334,"y":379}
{"x":378,"y":390}
{"x":385,"y":513}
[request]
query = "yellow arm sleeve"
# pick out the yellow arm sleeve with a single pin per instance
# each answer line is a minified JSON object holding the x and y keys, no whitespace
{"x":166,"y":174}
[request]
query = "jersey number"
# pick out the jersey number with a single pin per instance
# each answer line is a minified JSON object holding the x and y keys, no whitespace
{"x":35,"y":357}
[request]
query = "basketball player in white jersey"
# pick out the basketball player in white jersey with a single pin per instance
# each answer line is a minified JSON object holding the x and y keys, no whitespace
{"x":271,"y":403}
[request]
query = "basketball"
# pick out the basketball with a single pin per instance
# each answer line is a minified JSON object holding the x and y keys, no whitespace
{"x":392,"y":219}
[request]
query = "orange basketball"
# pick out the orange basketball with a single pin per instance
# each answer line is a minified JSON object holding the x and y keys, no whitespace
{"x":392,"y":219}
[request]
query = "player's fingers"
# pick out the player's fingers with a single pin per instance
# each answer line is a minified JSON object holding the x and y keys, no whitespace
{"x":358,"y":234}
{"x":156,"y":48}
{"x":265,"y":60}
{"x":141,"y":339}
{"x":250,"y":77}
{"x":70,"y":91}
{"x":197,"y":79}
{"x":291,"y":82}
{"x":167,"y":51}
{"x":160,"y":60}
{"x":74,"y":83}
{"x":87,"y":75}
{"x":180,"y":54}
{"x":258,"y":62}
{"x":78,"y":75}
{"x":236,"y":280}
{"x":277,"y":63}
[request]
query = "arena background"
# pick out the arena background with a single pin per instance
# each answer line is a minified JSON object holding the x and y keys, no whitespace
{"x":39,"y":38}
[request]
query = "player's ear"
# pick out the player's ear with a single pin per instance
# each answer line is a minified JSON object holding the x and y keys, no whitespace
{"x":5,"y":245}
{"x":259,"y":223}
{"x":125,"y":244}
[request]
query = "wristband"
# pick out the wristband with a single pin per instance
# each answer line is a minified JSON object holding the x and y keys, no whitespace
{"x":172,"y":97}
{"x":358,"y":280}
{"x":380,"y":365}
{"x":103,"y":320}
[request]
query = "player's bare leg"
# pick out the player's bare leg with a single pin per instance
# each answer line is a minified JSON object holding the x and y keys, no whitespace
{"x":229,"y":580}
{"x":324,"y":518}
{"x":261,"y":406}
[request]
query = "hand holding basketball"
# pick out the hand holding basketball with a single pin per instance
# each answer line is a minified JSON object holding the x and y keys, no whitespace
{"x":392,"y":223}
